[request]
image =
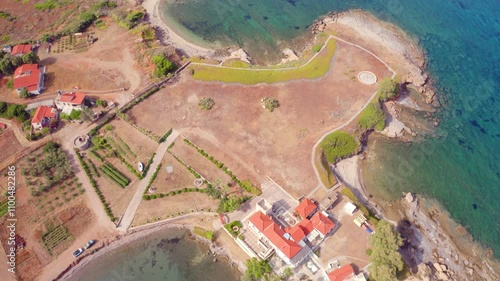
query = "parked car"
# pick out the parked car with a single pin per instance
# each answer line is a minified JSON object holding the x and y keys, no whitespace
{"x":367,"y":228}
{"x":89,"y":244}
{"x":78,"y":252}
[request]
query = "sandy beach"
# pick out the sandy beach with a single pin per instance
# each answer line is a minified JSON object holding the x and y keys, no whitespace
{"x":172,"y":38}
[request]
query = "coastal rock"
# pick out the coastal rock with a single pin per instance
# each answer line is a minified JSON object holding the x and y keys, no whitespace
{"x":437,"y":266}
{"x":409,"y":197}
{"x":443,"y":276}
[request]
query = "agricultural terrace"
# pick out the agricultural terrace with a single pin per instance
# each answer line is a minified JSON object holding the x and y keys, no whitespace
{"x":112,"y":162}
{"x":317,"y":67}
{"x":251,"y":141}
{"x":50,"y":208}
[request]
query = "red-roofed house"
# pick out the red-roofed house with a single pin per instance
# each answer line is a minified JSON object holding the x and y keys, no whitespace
{"x":29,"y":76}
{"x":306,"y":208}
{"x":42,"y":117}
{"x":286,"y":247}
{"x":322,"y":223}
{"x":341,"y":274}
{"x":20,"y":50}
{"x":69,"y":101}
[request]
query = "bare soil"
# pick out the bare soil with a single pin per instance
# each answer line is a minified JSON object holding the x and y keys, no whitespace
{"x":178,"y":179}
{"x":8,"y":144}
{"x":255,"y":143}
{"x":172,"y":206}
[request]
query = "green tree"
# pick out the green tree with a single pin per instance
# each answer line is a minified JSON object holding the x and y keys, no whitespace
{"x":24,"y":93}
{"x":230,"y":204}
{"x":162,"y":65}
{"x":75,"y":115}
{"x":6,"y":66}
{"x":45,"y":38}
{"x":100,"y":102}
{"x":372,"y":117}
{"x":385,"y":257}
{"x":257,"y":269}
{"x":338,"y":145}
{"x":388,"y":89}
{"x":16,"y":61}
{"x":30,"y":58}
{"x":3,"y":107}
{"x":10,"y":83}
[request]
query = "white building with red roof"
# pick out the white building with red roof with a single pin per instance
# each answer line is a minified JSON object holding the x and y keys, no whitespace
{"x":42,"y":117}
{"x":30,"y":77}
{"x":21,"y":49}
{"x":306,"y":208}
{"x":293,"y":243}
{"x":68,"y":102}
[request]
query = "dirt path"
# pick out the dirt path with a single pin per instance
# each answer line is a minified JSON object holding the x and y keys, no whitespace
{"x":129,"y":214}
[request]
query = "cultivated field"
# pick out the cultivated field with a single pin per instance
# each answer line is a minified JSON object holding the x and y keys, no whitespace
{"x":50,"y":210}
{"x":8,"y":144}
{"x":253,"y":142}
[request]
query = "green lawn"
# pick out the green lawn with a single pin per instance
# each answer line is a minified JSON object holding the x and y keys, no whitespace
{"x":318,"y":67}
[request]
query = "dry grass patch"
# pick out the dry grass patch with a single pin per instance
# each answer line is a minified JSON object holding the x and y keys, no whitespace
{"x":8,"y":144}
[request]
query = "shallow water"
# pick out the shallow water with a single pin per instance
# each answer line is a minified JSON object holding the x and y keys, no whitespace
{"x":461,"y":38}
{"x":166,"y":255}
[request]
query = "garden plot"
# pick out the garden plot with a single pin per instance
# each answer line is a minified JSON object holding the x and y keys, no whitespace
{"x":172,"y":206}
{"x":199,"y":163}
{"x":172,"y":176}
{"x":8,"y":144}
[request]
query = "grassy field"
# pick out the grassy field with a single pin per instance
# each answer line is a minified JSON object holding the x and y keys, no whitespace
{"x":327,"y":178}
{"x":316,"y":68}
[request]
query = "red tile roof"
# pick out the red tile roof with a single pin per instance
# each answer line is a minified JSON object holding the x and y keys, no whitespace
{"x":275,"y":234}
{"x":27,"y":76}
{"x":305,"y":208}
{"x":342,"y":273}
{"x":43,"y":112}
{"x":306,"y":226}
{"x":20,"y":50}
{"x":322,"y":223}
{"x":261,"y":221}
{"x":296,"y":232}
{"x":74,"y":98}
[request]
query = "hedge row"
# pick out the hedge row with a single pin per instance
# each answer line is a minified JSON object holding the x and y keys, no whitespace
{"x":165,"y":136}
{"x":96,"y":188}
{"x":104,"y":122}
{"x":191,"y":170}
{"x":116,"y":146}
{"x":139,"y":99}
{"x":125,"y":145}
{"x":246,"y":185}
{"x":172,"y":193}
{"x":129,"y":166}
{"x":148,"y":165}
{"x":93,"y":168}
{"x":153,"y":177}
{"x":114,"y":175}
{"x":96,"y":155}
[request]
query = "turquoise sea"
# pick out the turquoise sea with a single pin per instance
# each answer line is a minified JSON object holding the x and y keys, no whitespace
{"x":165,"y":255}
{"x":460,"y":168}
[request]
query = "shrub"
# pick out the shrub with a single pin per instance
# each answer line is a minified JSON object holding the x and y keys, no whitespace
{"x":388,"y":89}
{"x":100,"y":102}
{"x":269,"y":103}
{"x":230,"y":226}
{"x":372,"y":117}
{"x":206,"y":103}
{"x":316,"y":48}
{"x":108,"y":127}
{"x":338,"y":145}
{"x":162,"y":65}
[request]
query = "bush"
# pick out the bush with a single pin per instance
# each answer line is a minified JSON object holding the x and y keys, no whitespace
{"x":372,"y":117}
{"x":269,"y":103}
{"x":206,"y":103}
{"x":100,"y":102}
{"x":230,"y":226}
{"x":316,"y":48}
{"x":162,"y":65}
{"x":338,"y":145}
{"x":388,"y":89}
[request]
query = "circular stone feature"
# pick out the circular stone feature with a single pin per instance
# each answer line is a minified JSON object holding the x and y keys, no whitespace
{"x":170,"y":169}
{"x":367,"y":77}
{"x":198,"y":182}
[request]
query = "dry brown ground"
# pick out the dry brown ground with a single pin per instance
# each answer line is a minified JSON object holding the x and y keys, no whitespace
{"x":172,"y":206}
{"x":199,"y":163}
{"x":141,"y":145}
{"x":8,"y":144}
{"x":253,"y":142}
{"x":349,"y":243}
{"x":108,"y":66}
{"x":178,"y":179}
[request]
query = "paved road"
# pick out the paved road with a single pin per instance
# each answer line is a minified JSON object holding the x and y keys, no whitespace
{"x":129,"y":214}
